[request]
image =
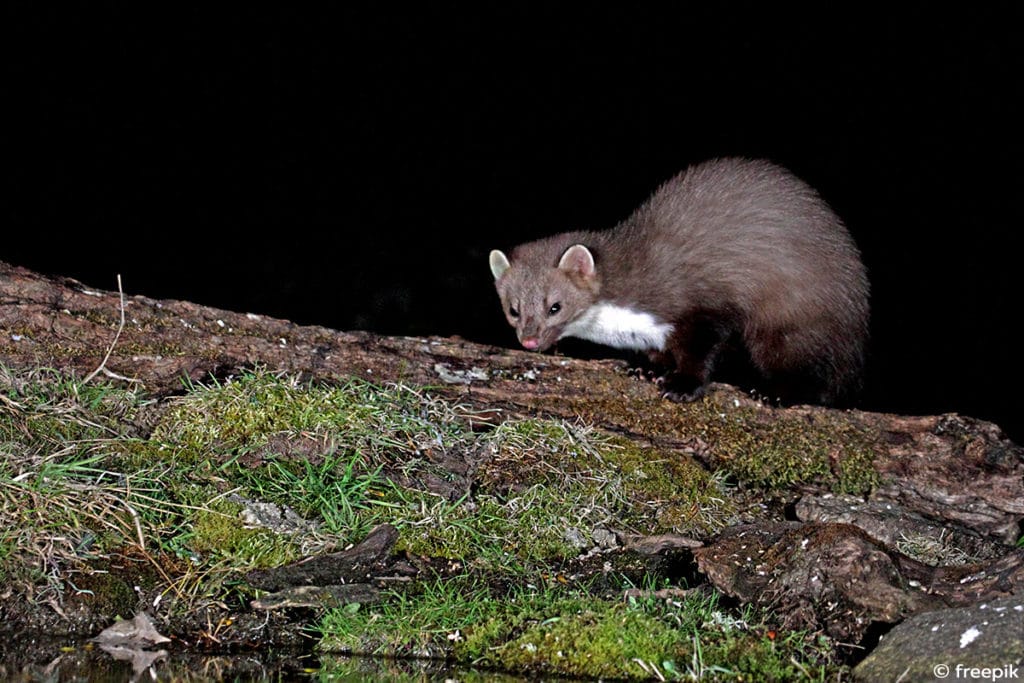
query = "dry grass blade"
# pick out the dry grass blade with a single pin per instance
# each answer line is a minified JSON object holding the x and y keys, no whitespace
{"x":102,"y":367}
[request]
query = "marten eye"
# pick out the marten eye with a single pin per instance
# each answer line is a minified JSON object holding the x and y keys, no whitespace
{"x":513,"y":311}
{"x":555,"y":308}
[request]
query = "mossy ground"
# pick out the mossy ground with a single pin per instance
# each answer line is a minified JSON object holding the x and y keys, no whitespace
{"x":772,"y":453}
{"x":578,"y":632}
{"x":90,"y":473}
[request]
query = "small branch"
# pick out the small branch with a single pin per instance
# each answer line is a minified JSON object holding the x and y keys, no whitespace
{"x":110,"y":349}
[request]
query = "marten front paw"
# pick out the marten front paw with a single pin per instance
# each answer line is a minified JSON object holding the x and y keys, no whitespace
{"x":646,"y":375}
{"x":688,"y":397}
{"x":680,"y":388}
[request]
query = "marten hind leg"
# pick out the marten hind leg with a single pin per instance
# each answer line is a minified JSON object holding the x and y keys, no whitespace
{"x":800,"y":367}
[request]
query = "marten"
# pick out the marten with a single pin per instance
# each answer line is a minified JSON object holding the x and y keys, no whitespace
{"x":730,"y":258}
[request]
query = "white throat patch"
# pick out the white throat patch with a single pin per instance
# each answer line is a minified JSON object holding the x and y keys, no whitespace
{"x":619,"y":327}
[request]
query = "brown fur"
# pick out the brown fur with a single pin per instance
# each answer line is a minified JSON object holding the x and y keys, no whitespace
{"x":736,"y":255}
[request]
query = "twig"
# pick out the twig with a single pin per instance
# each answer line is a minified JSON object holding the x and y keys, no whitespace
{"x":110,"y":349}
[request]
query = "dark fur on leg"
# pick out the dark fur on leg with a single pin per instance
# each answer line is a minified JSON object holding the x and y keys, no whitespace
{"x":695,"y":348}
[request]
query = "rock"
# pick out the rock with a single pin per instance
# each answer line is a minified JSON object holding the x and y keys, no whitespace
{"x":980,"y":642}
{"x":574,"y":537}
{"x":318,"y":597}
{"x":815,"y":576}
{"x":354,"y":565}
{"x":928,"y":461}
{"x":604,"y":539}
{"x":279,"y":518}
{"x":890,"y":523}
{"x":129,"y":640}
{"x":661,"y":543}
{"x":837,"y":578}
{"x":138,"y":633}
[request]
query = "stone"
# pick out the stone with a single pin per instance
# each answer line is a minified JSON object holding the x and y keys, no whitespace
{"x":981,"y":642}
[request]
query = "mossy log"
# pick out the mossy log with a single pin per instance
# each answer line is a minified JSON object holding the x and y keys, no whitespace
{"x":846,"y":486}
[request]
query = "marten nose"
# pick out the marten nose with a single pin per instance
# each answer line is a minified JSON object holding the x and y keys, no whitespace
{"x":531,"y":343}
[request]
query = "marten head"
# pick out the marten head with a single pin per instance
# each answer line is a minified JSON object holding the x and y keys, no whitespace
{"x":540,"y":298}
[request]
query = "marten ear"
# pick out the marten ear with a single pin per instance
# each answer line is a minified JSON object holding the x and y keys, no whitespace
{"x":499,"y":264}
{"x":577,"y":260}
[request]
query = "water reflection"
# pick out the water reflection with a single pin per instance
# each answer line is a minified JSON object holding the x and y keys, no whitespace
{"x":87,"y":664}
{"x":59,"y":663}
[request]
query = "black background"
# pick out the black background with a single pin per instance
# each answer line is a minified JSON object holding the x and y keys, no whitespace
{"x":352,"y":168}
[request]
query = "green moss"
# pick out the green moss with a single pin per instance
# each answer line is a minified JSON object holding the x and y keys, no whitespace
{"x":549,"y":484}
{"x":100,"y":317}
{"x":630,"y":485}
{"x":570,"y":632}
{"x":77,"y":460}
{"x":105,"y":592}
{"x":492,"y":533}
{"x":669,"y":492}
{"x":75,"y":468}
{"x":603,"y":642}
{"x":356,"y":416}
{"x":47,"y":410}
{"x":423,"y":622}
{"x":218,"y":532}
{"x":773,"y":451}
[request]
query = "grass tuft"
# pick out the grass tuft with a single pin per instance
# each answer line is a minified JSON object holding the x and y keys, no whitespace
{"x":568,"y":631}
{"x":91,"y":472}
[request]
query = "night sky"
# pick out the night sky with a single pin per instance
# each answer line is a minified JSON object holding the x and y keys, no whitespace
{"x":352,"y":168}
